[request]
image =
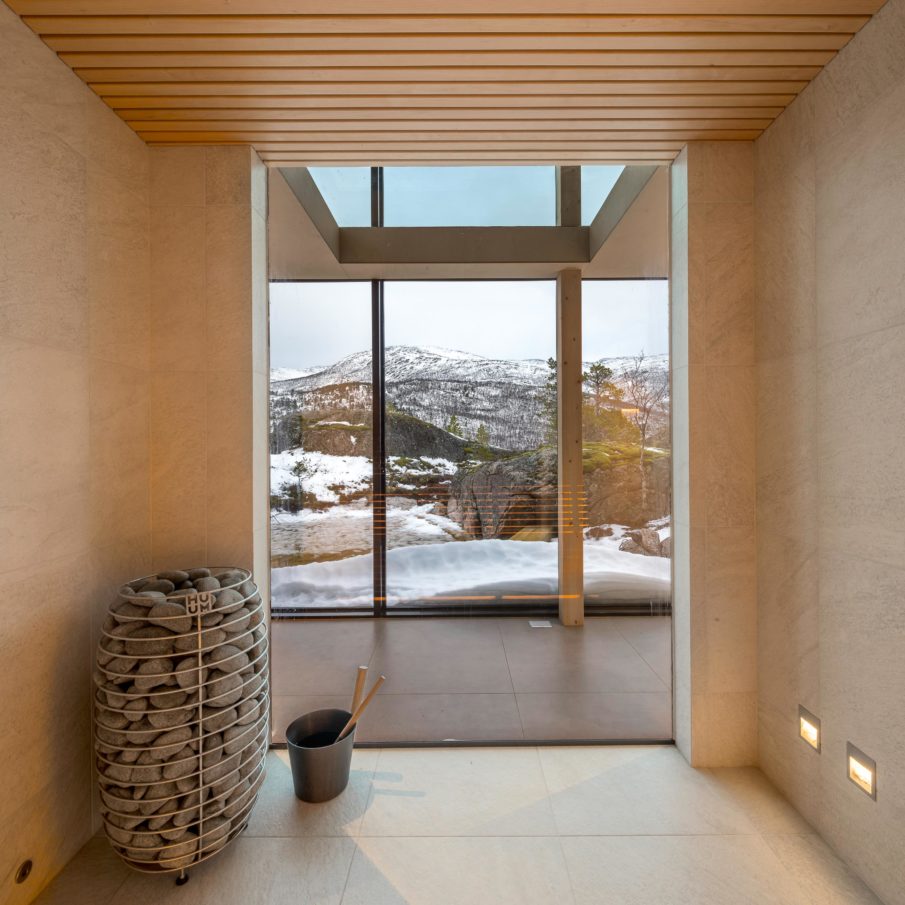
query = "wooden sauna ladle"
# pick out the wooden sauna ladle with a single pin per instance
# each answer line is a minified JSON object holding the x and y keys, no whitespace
{"x":356,"y":716}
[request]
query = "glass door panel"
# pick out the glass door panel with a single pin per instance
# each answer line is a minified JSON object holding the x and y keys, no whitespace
{"x":320,"y":446}
{"x":626,"y":443}
{"x":471,"y":445}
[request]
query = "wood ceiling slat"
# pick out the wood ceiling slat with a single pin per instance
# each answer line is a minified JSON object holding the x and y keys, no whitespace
{"x":486,"y":24}
{"x":438,"y":7}
{"x":596,"y":74}
{"x":479,"y":140}
{"x":492,"y":105}
{"x":342,"y":93}
{"x":586,"y":117}
{"x":461,"y":44}
{"x":429,"y":62}
{"x":458,"y":128}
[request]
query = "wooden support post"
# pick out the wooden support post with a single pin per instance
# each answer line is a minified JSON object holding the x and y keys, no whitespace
{"x":568,"y":196}
{"x":570,"y":472}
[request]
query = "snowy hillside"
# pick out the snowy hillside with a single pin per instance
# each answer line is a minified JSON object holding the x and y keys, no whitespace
{"x":404,"y":363}
{"x":505,"y":397}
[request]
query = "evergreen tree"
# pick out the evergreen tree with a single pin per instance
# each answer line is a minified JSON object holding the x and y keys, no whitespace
{"x":482,"y":437}
{"x":452,"y":426}
{"x":599,"y":379}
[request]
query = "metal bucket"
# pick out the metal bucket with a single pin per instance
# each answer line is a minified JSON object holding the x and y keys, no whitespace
{"x":319,"y":771}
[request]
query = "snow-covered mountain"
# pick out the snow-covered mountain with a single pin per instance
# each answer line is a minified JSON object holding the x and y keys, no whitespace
{"x":278,"y":375}
{"x":504,"y":396}
{"x":417,"y":363}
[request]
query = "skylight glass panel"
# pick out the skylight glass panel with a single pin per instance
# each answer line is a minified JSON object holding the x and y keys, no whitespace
{"x":347,"y":191}
{"x":596,"y":183}
{"x":469,"y":196}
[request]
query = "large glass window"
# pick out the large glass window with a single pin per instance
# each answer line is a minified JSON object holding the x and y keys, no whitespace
{"x":471,"y":443}
{"x":626,"y":439}
{"x":470,"y":436}
{"x":469,"y":196}
{"x":320,"y":445}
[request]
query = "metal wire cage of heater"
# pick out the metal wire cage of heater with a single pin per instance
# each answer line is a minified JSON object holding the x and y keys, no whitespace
{"x":181,"y":715}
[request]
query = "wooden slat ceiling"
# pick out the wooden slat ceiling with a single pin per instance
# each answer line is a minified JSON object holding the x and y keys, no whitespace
{"x":461,"y":81}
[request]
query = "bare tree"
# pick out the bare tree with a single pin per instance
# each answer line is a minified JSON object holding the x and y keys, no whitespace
{"x":645,"y":389}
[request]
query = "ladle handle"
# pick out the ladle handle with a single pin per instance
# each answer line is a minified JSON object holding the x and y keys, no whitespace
{"x":356,"y":716}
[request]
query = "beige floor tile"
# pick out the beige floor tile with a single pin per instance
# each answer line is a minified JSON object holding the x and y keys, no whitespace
{"x":635,"y":790}
{"x":279,"y":813}
{"x":254,"y":872}
{"x":677,"y":870}
{"x":762,"y":803}
{"x":818,"y":873}
{"x":459,"y":792}
{"x":450,"y":871}
{"x":91,"y":878}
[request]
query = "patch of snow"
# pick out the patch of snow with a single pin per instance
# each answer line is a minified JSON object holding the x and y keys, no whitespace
{"x":325,"y":476}
{"x":470,"y":568}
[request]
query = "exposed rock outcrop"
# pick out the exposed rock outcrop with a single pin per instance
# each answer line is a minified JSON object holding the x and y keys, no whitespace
{"x":500,"y":499}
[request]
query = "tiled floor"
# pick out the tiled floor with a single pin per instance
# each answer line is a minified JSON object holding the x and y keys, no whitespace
{"x":494,"y":826}
{"x":481,"y":679}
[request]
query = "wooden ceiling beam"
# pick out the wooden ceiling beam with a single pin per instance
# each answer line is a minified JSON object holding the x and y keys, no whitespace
{"x":425,"y":63}
{"x":623,"y":140}
{"x":490,"y":24}
{"x":262,"y":106}
{"x":438,"y":7}
{"x":403,"y":130}
{"x":463,"y":76}
{"x":470,"y":47}
{"x":341,"y":93}
{"x":580,"y":118}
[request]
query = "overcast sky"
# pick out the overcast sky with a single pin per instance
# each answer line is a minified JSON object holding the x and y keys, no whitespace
{"x":319,"y":323}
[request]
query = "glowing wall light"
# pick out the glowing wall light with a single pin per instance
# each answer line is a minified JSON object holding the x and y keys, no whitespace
{"x":809,"y":727}
{"x":862,"y":770}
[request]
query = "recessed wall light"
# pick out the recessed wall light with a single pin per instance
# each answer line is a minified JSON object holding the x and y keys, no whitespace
{"x":809,"y":727}
{"x":862,"y":770}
